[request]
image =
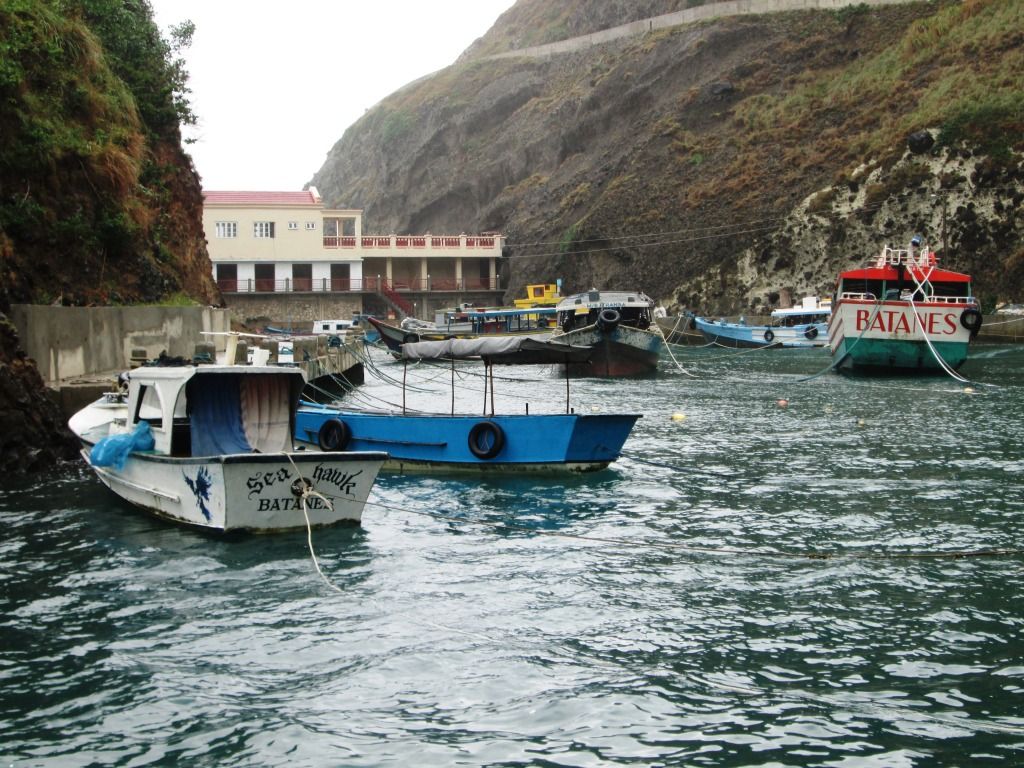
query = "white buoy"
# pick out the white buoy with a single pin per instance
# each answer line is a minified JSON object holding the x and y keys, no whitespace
{"x":678,"y":417}
{"x":968,"y":390}
{"x":861,"y":422}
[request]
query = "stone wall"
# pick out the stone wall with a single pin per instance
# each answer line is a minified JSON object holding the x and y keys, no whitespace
{"x":70,"y":342}
{"x":294,"y":310}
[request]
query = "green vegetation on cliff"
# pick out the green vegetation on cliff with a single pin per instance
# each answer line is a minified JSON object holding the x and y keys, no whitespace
{"x":98,"y":202}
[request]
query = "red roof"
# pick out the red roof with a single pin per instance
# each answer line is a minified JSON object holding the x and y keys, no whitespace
{"x":890,"y":273}
{"x":305,"y":197}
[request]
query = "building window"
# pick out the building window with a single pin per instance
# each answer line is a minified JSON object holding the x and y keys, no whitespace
{"x":262,"y":229}
{"x":311,"y":225}
{"x":293,"y":225}
{"x":227,"y":229}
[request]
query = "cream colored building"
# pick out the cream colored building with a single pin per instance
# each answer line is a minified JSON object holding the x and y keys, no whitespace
{"x":288,"y":242}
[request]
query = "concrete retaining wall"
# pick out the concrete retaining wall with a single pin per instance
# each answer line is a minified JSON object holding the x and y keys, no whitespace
{"x":690,"y":15}
{"x":300,"y":309}
{"x":69,"y":342}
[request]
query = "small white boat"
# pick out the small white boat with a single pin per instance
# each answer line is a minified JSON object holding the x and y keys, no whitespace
{"x":805,"y":325}
{"x":211,"y":446}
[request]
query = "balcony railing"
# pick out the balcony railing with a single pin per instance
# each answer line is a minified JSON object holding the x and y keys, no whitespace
{"x":367,"y":284}
{"x":412,"y":242}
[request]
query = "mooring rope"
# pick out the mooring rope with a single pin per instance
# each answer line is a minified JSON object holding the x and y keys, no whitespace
{"x":668,"y":346}
{"x":920,"y":326}
{"x":307,"y":491}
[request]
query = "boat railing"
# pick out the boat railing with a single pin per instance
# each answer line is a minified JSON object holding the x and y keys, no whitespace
{"x":910,"y":258}
{"x":858,"y":296}
{"x":965,"y":300}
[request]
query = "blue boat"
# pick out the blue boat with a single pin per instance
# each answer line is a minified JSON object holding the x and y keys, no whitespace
{"x":434,"y":442}
{"x":801,"y":326}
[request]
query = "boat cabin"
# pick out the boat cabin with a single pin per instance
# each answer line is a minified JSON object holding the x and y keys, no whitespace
{"x":212,"y":410}
{"x":485,"y":321}
{"x":544,"y":295}
{"x":634,"y":309}
{"x":809,"y":312}
{"x":902,"y":274}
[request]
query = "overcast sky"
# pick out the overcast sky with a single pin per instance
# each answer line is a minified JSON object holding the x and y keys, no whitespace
{"x":275,"y":85}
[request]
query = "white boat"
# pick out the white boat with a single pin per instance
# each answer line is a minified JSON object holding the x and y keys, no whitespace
{"x":211,"y":446}
{"x":805,"y":325}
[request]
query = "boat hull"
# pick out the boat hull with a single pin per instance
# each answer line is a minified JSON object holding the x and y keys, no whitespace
{"x":619,"y":352}
{"x":738,"y":335}
{"x":889,"y":336}
{"x":256,"y":493}
{"x":442,"y":443}
{"x":681,"y":329}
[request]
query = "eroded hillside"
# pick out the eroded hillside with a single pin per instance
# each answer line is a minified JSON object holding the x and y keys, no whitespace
{"x":677,"y":162}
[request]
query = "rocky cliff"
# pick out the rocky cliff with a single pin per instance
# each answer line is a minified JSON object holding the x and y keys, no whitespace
{"x":98,"y":202}
{"x":721,"y":165}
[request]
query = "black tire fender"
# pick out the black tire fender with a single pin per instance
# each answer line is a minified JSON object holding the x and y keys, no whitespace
{"x":486,"y":439}
{"x":971,"y":319}
{"x":334,"y":435}
{"x":608,"y":319}
{"x":811,"y":332}
{"x":410,"y":338}
{"x":769,"y":335}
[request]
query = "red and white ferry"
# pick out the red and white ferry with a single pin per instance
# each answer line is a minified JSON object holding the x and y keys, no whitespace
{"x":902,"y":313}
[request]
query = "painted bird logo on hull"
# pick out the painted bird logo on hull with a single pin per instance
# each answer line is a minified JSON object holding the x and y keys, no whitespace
{"x":201,"y":489}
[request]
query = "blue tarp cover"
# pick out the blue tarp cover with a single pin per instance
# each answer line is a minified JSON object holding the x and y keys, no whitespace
{"x":216,"y":416}
{"x":114,"y":449}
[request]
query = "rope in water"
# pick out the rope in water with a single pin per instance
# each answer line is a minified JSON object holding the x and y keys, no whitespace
{"x":307,"y":491}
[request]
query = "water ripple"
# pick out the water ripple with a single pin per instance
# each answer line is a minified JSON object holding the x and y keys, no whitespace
{"x":664,"y":612}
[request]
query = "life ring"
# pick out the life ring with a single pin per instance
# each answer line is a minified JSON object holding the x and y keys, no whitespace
{"x":608,"y":319}
{"x":410,"y":338}
{"x":811,"y":332}
{"x":971,"y":319}
{"x":769,"y":335}
{"x":486,"y":439}
{"x":334,"y":435}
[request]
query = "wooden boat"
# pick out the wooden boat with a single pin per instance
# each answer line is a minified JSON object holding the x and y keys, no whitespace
{"x":489,"y":443}
{"x":680,"y":329}
{"x":902,"y":313}
{"x":617,"y":324}
{"x":805,"y":325}
{"x":211,"y":446}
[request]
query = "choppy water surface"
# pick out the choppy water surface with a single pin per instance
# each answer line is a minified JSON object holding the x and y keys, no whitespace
{"x":663,"y":612}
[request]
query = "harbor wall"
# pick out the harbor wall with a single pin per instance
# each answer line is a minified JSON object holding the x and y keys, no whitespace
{"x":70,"y":342}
